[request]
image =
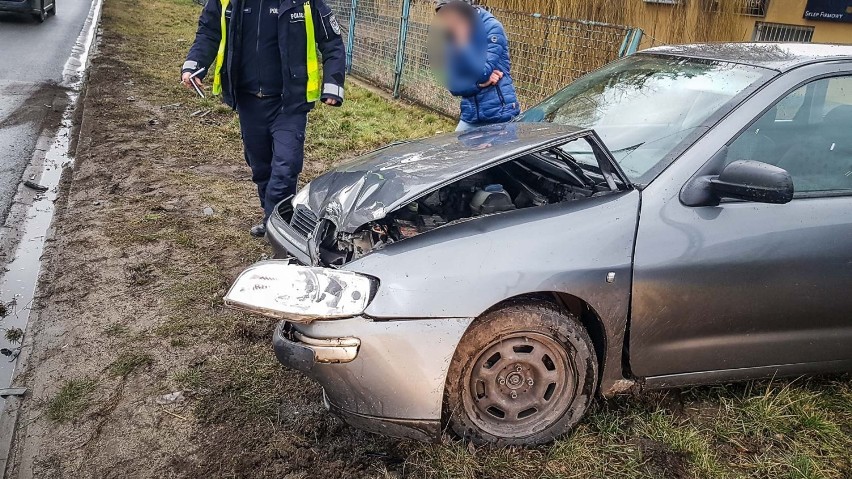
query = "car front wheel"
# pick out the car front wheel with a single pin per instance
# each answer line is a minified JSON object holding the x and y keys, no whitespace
{"x":41,"y":15}
{"x":523,"y":374}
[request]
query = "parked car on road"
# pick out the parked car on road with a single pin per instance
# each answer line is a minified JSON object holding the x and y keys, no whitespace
{"x":39,"y":9}
{"x":682,"y":216}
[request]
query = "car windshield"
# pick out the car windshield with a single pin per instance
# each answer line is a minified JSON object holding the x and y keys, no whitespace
{"x":644,"y":106}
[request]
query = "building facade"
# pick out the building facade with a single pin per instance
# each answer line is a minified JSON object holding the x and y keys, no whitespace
{"x":686,"y":21}
{"x":824,"y":21}
{"x":679,"y":21}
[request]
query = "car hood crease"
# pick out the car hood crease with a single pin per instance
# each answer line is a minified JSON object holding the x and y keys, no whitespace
{"x":373,"y":185}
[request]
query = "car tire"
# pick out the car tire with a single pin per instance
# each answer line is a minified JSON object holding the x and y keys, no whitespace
{"x":41,"y":15}
{"x":523,"y":374}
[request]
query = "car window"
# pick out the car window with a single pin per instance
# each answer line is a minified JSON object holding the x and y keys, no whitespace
{"x":808,"y":133}
{"x":790,"y":105}
{"x":838,"y":92}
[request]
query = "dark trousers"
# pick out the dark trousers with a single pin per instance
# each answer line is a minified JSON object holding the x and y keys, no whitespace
{"x":274,"y":145}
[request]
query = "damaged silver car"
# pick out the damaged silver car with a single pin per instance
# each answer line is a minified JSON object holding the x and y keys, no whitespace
{"x":678,"y":217}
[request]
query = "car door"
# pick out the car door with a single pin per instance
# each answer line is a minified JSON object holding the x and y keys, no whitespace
{"x":749,"y":285}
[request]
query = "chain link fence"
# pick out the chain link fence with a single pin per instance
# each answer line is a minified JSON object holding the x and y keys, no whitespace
{"x":549,"y":52}
{"x":418,"y":81}
{"x":388,"y":45}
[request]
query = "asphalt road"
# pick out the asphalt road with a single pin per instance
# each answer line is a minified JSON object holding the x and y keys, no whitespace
{"x":32,"y":57}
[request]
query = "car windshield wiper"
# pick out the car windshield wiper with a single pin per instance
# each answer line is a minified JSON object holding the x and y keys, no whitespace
{"x":627,"y":148}
{"x":574,"y":167}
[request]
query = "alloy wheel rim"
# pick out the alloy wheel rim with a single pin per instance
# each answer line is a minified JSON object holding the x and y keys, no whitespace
{"x":519,"y":385}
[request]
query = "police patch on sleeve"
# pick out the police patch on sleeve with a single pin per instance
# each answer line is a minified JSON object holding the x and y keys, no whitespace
{"x":332,"y":20}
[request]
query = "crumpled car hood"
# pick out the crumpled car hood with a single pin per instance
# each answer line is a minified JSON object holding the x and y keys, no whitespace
{"x":371,"y":186}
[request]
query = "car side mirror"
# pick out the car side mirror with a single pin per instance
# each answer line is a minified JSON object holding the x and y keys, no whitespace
{"x":745,"y":180}
{"x":750,"y":180}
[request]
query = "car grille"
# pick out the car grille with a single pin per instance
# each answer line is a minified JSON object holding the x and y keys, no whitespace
{"x":304,"y":221}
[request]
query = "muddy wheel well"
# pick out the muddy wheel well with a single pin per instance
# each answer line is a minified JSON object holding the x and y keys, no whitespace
{"x":576,"y":306}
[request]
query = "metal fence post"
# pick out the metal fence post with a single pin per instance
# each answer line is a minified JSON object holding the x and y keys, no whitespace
{"x":634,"y":44}
{"x":400,"y":47}
{"x":350,"y":40}
{"x":624,"y":42}
{"x":631,"y":42}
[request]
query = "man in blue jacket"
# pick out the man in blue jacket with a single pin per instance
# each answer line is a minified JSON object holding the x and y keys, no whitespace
{"x":478,"y":65}
{"x":265,"y":65}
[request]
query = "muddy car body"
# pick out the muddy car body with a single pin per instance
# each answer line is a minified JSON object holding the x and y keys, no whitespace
{"x":497,"y":280}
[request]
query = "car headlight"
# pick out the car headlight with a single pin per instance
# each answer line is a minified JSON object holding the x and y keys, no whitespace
{"x":300,"y":293}
{"x":301,"y":197}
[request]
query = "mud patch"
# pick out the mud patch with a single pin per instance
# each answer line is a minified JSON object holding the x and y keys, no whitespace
{"x":662,"y":461}
{"x":44,"y":106}
{"x":31,"y":114}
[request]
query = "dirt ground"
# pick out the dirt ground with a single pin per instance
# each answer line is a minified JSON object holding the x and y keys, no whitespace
{"x":130,"y":306}
{"x":152,"y":227}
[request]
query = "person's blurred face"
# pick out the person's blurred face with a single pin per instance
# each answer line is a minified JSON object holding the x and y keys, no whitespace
{"x":455,"y":26}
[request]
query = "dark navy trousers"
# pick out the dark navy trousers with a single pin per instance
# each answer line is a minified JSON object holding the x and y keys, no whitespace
{"x":274,"y":145}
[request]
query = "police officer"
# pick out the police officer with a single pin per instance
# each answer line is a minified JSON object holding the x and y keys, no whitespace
{"x":267,"y":68}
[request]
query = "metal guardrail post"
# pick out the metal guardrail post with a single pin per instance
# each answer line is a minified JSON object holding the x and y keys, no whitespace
{"x":350,"y":40}
{"x":400,"y":47}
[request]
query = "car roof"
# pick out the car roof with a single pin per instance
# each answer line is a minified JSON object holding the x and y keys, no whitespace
{"x":776,"y":56}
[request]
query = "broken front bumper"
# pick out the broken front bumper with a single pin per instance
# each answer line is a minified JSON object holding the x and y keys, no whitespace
{"x":382,"y":376}
{"x":300,"y":352}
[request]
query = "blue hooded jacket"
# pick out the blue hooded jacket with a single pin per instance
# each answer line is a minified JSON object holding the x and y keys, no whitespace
{"x":468,"y":68}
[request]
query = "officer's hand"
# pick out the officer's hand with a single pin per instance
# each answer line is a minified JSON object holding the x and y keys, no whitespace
{"x":330,"y":101}
{"x":185,"y":79}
